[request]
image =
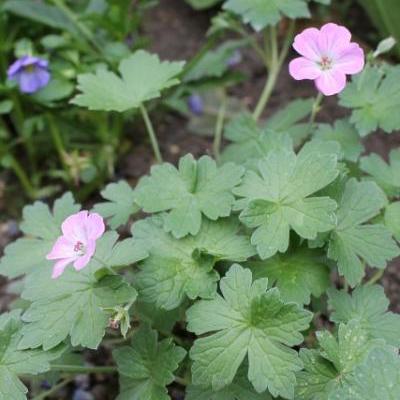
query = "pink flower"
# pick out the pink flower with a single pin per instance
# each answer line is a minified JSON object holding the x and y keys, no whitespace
{"x":77,"y":243}
{"x":327,"y":57}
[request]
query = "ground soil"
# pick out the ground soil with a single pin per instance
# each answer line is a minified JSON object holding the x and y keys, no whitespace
{"x":177,"y":32}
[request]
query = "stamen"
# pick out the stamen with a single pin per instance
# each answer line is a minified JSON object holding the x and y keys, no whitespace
{"x":79,"y":248}
{"x":325,"y":63}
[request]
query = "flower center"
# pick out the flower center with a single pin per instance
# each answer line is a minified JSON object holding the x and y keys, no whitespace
{"x":325,"y":63}
{"x":30,"y":68}
{"x":79,"y":248}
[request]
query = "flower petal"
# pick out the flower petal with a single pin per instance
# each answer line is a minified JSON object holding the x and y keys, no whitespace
{"x":59,"y":267}
{"x":62,"y":248}
{"x":306,"y":44}
{"x":94,"y":226}
{"x":81,"y":262}
{"x":302,"y":68}
{"x":351,"y":61}
{"x":331,"y":82}
{"x":74,"y":227}
{"x":333,"y":39}
{"x":31,"y":82}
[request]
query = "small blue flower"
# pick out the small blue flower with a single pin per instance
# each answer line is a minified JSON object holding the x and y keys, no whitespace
{"x":31,"y":73}
{"x":234,"y":59}
{"x":196,"y":104}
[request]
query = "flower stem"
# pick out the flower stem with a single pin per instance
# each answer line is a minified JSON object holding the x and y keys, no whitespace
{"x":182,"y":381}
{"x":219,"y":127}
{"x":315,"y":109}
{"x":376,"y":277}
{"x":54,"y":389}
{"x":152,"y":135}
{"x":77,"y":369}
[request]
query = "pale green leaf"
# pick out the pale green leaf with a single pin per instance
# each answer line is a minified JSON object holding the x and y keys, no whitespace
{"x":247,"y":320}
{"x":298,"y":275}
{"x":143,"y":77}
{"x":195,"y":189}
{"x":392,"y":219}
{"x":278,"y":197}
{"x":120,"y":205}
{"x":146,"y":366}
{"x":374,"y":97}
{"x":41,"y":228}
{"x":368,"y":305}
{"x":260,"y":13}
{"x":177,"y":269}
{"x":352,"y":240}
{"x":387,"y":176}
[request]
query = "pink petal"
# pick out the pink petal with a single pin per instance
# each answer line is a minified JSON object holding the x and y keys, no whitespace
{"x":60,"y":266}
{"x":351,"y":61}
{"x":306,"y":44}
{"x":302,"y":68}
{"x":82,"y":261}
{"x":331,"y":82}
{"x":94,"y":226}
{"x":74,"y":227}
{"x":62,"y":248}
{"x":333,"y":39}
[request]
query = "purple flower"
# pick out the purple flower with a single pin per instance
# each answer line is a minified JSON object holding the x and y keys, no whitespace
{"x":77,"y":244}
{"x":31,"y":73}
{"x":196,"y":104}
{"x":234,"y":59}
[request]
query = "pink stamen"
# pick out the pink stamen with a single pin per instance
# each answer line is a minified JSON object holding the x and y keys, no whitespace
{"x":79,"y":247}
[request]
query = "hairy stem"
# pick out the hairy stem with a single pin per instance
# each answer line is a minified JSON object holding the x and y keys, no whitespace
{"x":22,"y":176}
{"x":151,"y":133}
{"x":315,"y":109}
{"x":219,"y":127}
{"x":54,"y":389}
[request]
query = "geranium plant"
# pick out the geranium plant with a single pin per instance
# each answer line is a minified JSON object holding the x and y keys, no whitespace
{"x":252,"y":276}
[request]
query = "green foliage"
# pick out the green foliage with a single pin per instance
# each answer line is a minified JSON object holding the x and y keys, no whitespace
{"x":203,"y":4}
{"x":326,"y":369}
{"x":249,"y":320}
{"x":374,"y":97}
{"x":180,"y":268}
{"x":387,"y":176}
{"x":120,"y":205}
{"x":195,"y":188}
{"x":147,"y":366}
{"x":260,"y":13}
{"x":392,"y":219}
{"x":297,"y":275}
{"x":15,"y":362}
{"x":41,"y":228}
{"x":104,"y":90}
{"x":368,"y":305}
{"x":353,"y":240}
{"x":277,"y":198}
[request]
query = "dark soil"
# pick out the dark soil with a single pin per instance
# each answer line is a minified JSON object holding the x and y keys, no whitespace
{"x":177,"y":32}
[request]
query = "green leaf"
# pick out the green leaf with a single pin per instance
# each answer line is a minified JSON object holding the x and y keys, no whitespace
{"x":106,"y":91}
{"x":41,"y":228}
{"x":56,"y":90}
{"x":239,"y":389}
{"x":75,"y":304}
{"x":374,"y":97}
{"x":6,"y":106}
{"x":249,"y":142}
{"x":392,"y":219}
{"x":368,"y":305}
{"x":14,"y":362}
{"x":251,"y":321}
{"x":387,"y":176}
{"x":146,"y":367}
{"x":352,"y":240}
{"x":120,"y":205}
{"x":277,"y":198}
{"x":325,"y":370}
{"x":40,"y":12}
{"x":184,"y":268}
{"x":215,"y":62}
{"x":345,"y":134}
{"x":196,"y":188}
{"x":203,"y":4}
{"x":297,"y":275}
{"x":261,"y":13}
{"x":377,"y":378}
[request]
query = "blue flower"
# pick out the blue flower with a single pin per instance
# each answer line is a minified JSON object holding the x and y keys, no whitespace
{"x":196,"y":104}
{"x":31,"y":73}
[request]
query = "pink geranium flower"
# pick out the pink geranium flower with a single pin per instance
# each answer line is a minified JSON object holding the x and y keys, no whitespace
{"x":327,"y":57}
{"x":77,"y":243}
